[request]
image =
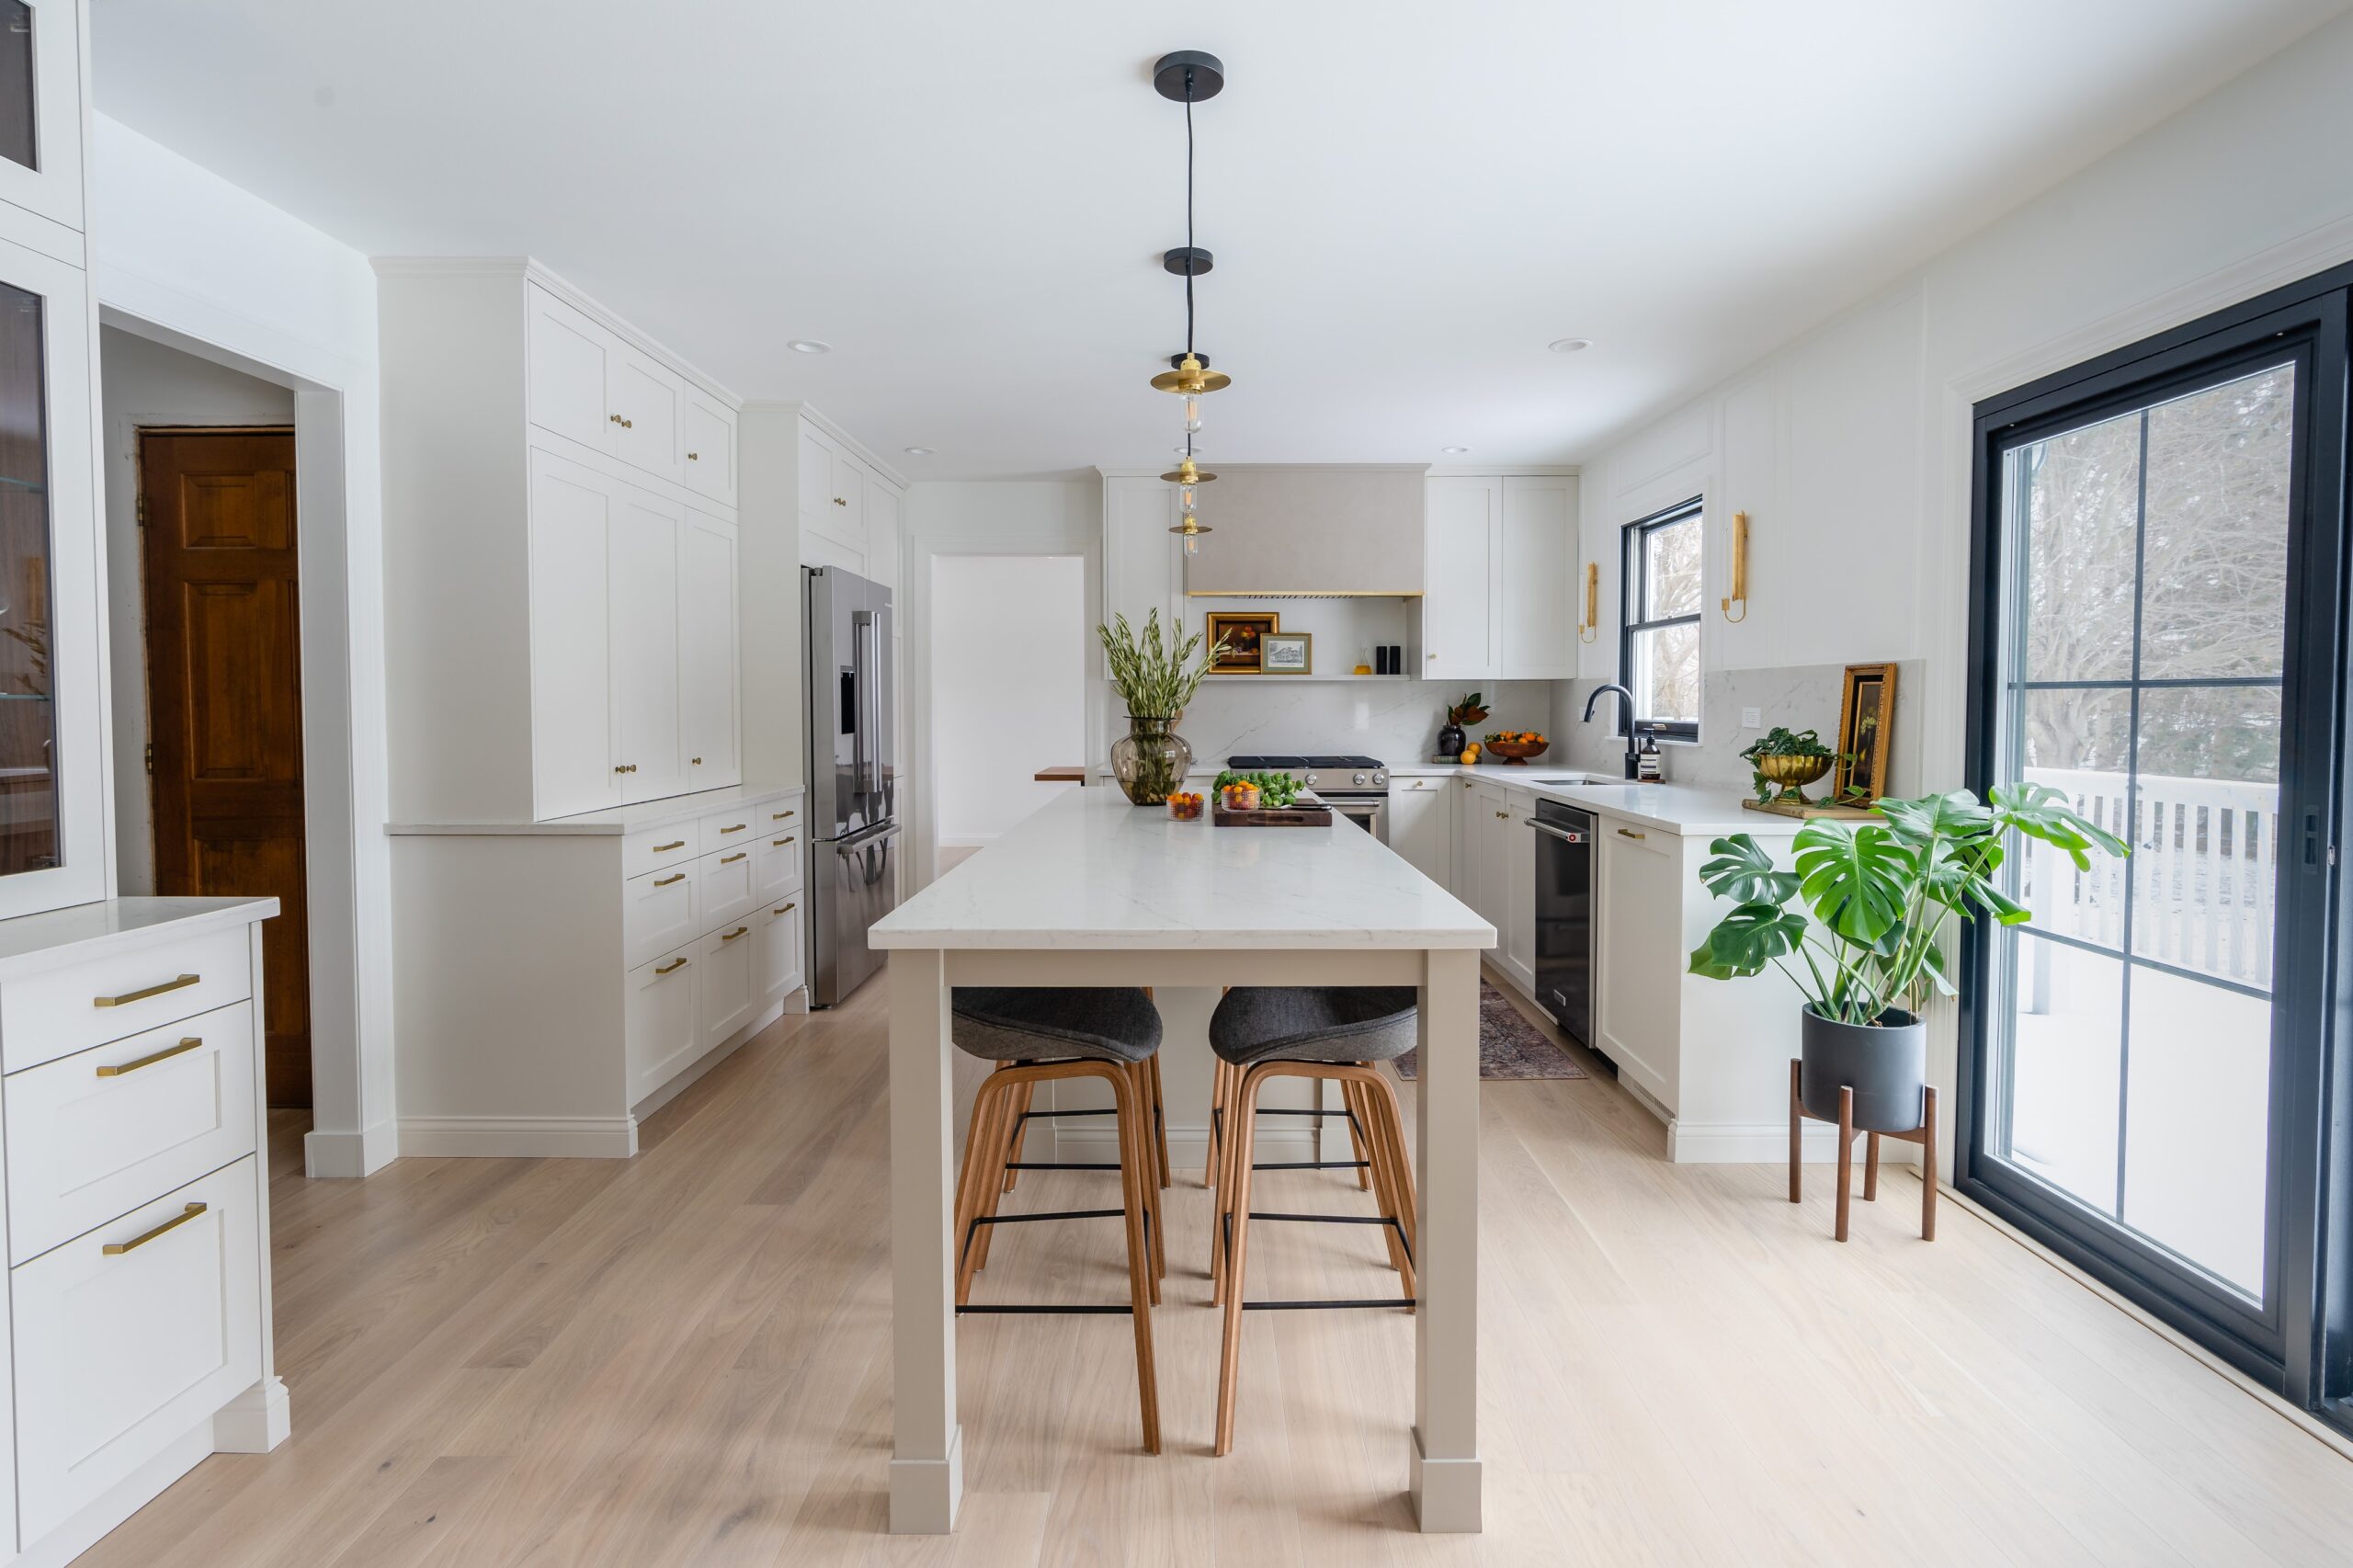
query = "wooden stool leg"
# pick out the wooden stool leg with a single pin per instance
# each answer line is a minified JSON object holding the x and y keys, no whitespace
{"x":1135,"y":1180}
{"x":1221,"y":1210}
{"x":1215,"y":1161}
{"x":1159,"y":1120}
{"x":1797,"y":1133}
{"x":1230,"y":1352}
{"x":987,"y":1123}
{"x":1846,"y":1153}
{"x":1140,"y":1076}
{"x":1006,"y":1123}
{"x":1929,"y":1170}
{"x":1388,"y":1129}
{"x":974,"y":1171}
{"x":1381,"y":1164}
{"x":1352,"y":1097}
{"x":1020,"y":1127}
{"x":1870,"y":1167}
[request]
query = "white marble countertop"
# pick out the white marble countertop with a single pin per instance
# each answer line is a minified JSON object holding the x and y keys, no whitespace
{"x":1090,"y":870}
{"x":620,"y":819}
{"x":1683,"y":809}
{"x":30,"y":944}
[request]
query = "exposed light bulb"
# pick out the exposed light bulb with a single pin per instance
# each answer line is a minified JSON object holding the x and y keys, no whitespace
{"x":1192,"y":414}
{"x":1185,"y":499}
{"x":1192,"y":544}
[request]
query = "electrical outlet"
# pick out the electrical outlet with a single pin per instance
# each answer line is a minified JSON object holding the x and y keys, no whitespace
{"x":1752,"y":718}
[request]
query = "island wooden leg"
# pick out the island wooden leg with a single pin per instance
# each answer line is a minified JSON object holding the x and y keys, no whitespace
{"x":1846,"y":1153}
{"x":927,"y":1444}
{"x":1444,"y":1461}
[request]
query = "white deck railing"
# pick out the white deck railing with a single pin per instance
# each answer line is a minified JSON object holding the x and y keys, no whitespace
{"x":2205,"y":862}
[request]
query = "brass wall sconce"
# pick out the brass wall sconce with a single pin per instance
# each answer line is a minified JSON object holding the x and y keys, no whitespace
{"x":1739,"y":569}
{"x":1590,"y":628}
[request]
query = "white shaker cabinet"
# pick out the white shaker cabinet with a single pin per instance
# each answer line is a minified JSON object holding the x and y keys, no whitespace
{"x":1639,"y":952}
{"x":1539,"y":604}
{"x":40,"y":144}
{"x":1462,"y":577}
{"x":1421,"y":826}
{"x":560,"y":593}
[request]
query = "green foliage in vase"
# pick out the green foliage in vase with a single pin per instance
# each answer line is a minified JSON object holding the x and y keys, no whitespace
{"x":1156,"y":675}
{"x":1870,"y":896}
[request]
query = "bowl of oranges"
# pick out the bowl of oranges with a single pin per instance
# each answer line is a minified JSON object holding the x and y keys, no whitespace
{"x":1515,"y":746}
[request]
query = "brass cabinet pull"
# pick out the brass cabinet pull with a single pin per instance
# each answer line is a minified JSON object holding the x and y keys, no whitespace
{"x":731,"y":936}
{"x":665,"y":848}
{"x":839,"y":502}
{"x":737,"y":828}
{"x":116,"y":1249}
{"x":730,"y":859}
{"x":1630,"y":833}
{"x":670,"y":968}
{"x":1502,"y":816}
{"x":626,"y":767}
{"x":778,"y":817}
{"x":128,"y":997}
{"x":786,"y":910}
{"x":665,"y":881}
{"x":189,"y":1044}
{"x":781,"y":843}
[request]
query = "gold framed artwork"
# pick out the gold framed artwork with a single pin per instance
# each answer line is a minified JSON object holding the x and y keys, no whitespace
{"x":1866,"y":719}
{"x":1287,"y":654}
{"x":1244,"y":631}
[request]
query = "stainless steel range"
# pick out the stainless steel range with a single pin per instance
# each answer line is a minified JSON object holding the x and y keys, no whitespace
{"x":1354,"y":786}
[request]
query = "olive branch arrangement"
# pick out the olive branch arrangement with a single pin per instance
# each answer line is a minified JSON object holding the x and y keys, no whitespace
{"x":1156,"y":675}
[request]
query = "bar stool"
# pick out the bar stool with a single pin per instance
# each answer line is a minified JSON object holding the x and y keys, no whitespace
{"x":1042,"y":1034}
{"x":1335,"y":1034}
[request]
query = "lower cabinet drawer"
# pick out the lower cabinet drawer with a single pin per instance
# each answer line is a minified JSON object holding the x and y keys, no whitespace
{"x":117,"y":993}
{"x":663,"y":1034}
{"x":725,"y":889}
{"x":730,"y":980}
{"x":130,"y":1335}
{"x":660,"y":911}
{"x":776,"y":863}
{"x":779,"y":929}
{"x":736,"y":827}
{"x":93,"y":1135}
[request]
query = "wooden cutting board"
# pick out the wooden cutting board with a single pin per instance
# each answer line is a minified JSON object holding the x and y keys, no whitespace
{"x":1294,"y":815}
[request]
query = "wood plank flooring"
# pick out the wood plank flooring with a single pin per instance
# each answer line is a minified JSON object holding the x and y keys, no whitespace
{"x":684,"y":1359}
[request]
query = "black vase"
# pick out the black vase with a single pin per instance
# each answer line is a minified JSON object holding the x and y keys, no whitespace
{"x":1885,"y":1064}
{"x":1451,"y":739}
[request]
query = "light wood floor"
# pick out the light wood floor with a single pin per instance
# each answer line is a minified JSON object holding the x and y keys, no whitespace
{"x":684,"y":1359}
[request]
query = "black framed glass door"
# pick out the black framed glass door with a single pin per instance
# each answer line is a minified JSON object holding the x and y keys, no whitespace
{"x":2157,"y":632}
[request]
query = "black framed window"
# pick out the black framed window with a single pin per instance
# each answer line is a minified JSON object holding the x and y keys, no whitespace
{"x":2152,"y":1065}
{"x":1658,"y":645}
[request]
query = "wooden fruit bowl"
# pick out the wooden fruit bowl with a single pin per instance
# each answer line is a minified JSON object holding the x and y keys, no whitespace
{"x":1516,"y":751}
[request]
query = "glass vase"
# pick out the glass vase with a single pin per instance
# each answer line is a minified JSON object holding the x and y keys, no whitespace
{"x":1150,"y":760}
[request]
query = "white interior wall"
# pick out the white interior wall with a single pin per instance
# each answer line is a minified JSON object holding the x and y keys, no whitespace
{"x":144,"y":383}
{"x":184,"y":258}
{"x":1849,"y":448}
{"x":1009,"y":639}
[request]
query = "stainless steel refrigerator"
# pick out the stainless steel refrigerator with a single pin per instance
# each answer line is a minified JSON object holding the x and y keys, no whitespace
{"x":853,"y":781}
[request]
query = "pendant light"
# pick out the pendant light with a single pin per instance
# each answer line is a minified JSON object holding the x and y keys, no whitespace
{"x":1189,"y":76}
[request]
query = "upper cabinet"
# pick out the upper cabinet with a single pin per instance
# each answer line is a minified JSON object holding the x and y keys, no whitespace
{"x":564,"y":610}
{"x":40,"y":108}
{"x":848,"y":511}
{"x":1500,"y":565}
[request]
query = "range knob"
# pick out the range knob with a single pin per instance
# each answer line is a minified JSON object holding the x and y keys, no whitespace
{"x":1310,"y":782}
{"x":1357,"y":780}
{"x":1381,"y":779}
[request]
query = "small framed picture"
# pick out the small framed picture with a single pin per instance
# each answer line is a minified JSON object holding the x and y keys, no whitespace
{"x":1866,"y":720}
{"x":1242,"y":631}
{"x":1287,"y":652}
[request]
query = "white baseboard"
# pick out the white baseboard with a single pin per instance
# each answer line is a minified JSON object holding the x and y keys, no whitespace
{"x":361,"y":1154}
{"x":519,"y":1137}
{"x":797,"y":999}
{"x":255,"y":1421}
{"x":1762,"y":1143}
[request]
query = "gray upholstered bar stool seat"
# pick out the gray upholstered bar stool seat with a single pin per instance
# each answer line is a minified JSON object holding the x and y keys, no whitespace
{"x":1334,"y":1033}
{"x":1044,"y":1034}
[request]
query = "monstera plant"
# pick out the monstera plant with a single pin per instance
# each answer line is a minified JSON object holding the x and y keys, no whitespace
{"x":1853,"y":922}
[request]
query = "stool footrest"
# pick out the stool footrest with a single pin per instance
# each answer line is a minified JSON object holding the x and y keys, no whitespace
{"x":1330,"y":1218}
{"x":1121,"y":1311}
{"x":1049,"y":1214}
{"x":1311,"y":1165}
{"x":1057,"y":1165}
{"x":1306,"y":1306}
{"x":1050,"y":1115}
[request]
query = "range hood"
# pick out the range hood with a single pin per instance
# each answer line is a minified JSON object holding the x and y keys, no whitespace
{"x":1310,"y":532}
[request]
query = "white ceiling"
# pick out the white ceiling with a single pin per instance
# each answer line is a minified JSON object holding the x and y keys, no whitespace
{"x":1408,"y":198}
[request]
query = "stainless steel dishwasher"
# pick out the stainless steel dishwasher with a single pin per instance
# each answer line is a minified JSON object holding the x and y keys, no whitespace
{"x":1563,"y":851}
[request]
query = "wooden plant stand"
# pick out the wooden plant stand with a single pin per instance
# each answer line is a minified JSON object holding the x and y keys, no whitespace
{"x":1924,"y":1135}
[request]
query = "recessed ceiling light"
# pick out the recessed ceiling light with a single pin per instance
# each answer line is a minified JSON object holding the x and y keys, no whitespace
{"x":809,"y":346}
{"x":1454,"y":451}
{"x":916,"y":451}
{"x":1558,"y":346}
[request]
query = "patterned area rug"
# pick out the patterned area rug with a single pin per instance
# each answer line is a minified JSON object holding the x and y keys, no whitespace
{"x":1509,"y":1046}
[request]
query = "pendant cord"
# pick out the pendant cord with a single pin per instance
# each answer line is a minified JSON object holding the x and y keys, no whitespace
{"x":1189,"y":258}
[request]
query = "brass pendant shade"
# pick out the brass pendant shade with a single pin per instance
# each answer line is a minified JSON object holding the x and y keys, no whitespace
{"x":1191,"y":379}
{"x":1186,"y":472}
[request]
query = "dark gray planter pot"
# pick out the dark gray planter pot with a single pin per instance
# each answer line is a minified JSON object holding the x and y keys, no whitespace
{"x":1886,"y":1064}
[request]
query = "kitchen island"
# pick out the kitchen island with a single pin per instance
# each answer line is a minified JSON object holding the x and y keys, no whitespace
{"x":1091,"y":891}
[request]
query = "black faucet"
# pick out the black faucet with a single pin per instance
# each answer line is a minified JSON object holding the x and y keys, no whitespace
{"x":1626,"y":703}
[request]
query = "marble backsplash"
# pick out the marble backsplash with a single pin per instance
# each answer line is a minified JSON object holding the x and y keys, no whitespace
{"x":1394,"y":720}
{"x":1800,"y":696}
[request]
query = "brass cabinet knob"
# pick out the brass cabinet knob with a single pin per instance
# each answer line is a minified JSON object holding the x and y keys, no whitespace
{"x":839,"y":502}
{"x":695,"y":761}
{"x":626,"y":767}
{"x":619,"y":421}
{"x":694,"y":456}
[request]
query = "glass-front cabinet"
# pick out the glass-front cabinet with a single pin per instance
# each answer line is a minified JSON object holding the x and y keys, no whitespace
{"x":52,"y":787}
{"x":40,"y":108}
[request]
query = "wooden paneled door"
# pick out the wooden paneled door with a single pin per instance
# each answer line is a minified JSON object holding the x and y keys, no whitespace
{"x":224,"y":699}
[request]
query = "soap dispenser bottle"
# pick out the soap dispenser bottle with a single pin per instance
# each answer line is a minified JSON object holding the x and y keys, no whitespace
{"x":1649,"y":766}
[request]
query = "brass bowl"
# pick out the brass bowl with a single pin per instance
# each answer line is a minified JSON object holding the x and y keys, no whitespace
{"x":1793,"y":774}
